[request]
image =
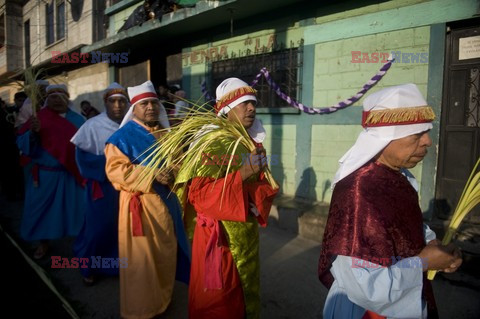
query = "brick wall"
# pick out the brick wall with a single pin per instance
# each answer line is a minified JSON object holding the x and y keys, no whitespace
{"x":337,"y":78}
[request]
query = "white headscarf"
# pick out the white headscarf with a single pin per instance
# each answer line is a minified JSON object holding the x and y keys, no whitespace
{"x":388,"y":115}
{"x":139,"y":93}
{"x":93,"y":134}
{"x":230,"y":93}
{"x":57,"y":89}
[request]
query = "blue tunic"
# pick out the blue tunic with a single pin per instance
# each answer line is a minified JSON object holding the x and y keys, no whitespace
{"x":99,"y":234}
{"x":133,"y":141}
{"x":55,"y":208}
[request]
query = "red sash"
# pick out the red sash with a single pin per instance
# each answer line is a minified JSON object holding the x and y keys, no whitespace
{"x":55,"y":134}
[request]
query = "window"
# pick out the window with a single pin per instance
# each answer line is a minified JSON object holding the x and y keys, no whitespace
{"x":99,"y":21}
{"x":55,"y":21}
{"x":26,"y":40}
{"x":49,"y":24}
{"x":2,"y":30}
{"x":283,"y":67}
{"x":60,"y":20}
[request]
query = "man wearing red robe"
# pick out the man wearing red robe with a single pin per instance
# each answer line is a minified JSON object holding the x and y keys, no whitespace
{"x":229,"y":206}
{"x":376,"y":249}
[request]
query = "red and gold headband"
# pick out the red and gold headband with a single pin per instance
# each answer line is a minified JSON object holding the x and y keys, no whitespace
{"x":398,"y":116}
{"x":142,"y":96}
{"x":234,"y":95}
{"x":113,"y":92}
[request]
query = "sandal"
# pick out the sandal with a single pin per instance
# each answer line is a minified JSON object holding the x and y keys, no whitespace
{"x":41,"y":251}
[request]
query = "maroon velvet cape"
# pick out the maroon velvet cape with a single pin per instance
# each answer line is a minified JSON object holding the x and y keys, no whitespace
{"x":374,"y":215}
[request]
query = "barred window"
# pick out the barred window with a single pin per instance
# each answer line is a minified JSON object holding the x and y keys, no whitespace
{"x":283,"y":66}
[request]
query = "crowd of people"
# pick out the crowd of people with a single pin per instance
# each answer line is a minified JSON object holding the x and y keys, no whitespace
{"x":82,"y":180}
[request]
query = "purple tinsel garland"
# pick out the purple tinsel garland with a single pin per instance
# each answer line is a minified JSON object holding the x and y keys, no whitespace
{"x":313,"y":110}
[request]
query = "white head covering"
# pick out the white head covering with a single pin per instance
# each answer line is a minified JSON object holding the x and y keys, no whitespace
{"x":389,"y":114}
{"x":142,"y":92}
{"x":57,"y":89}
{"x":93,"y":134}
{"x":230,"y":93}
{"x":114,"y":90}
{"x":42,"y":82}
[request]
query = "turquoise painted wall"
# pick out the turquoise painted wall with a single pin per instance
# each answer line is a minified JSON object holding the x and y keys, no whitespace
{"x":310,"y":146}
{"x":336,"y":77}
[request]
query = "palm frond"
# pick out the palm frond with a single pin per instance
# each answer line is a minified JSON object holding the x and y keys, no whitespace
{"x":185,"y":144}
{"x":468,"y":200}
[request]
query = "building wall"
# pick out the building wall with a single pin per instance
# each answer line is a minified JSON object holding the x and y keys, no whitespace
{"x":76,"y":33}
{"x":86,"y":83}
{"x":336,"y":77}
{"x":14,"y":36}
{"x":11,"y":52}
{"x":310,"y":146}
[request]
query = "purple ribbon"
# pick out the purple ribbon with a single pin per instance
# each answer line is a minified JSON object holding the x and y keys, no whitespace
{"x":313,"y":110}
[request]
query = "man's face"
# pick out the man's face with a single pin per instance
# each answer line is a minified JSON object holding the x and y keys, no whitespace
{"x":162,"y":90}
{"x":406,"y":152}
{"x":85,"y":106}
{"x":116,"y":108}
{"x":244,"y":113}
{"x":147,"y":110}
{"x":19,"y":101}
{"x":58,"y":103}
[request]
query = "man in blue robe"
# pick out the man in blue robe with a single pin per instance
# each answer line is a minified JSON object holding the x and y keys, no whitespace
{"x":54,"y":192}
{"x":151,"y":235}
{"x":98,"y":238}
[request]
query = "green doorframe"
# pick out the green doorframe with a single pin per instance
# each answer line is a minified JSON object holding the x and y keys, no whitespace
{"x":436,"y":64}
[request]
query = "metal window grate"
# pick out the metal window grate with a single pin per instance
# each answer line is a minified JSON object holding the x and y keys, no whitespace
{"x":284,"y":67}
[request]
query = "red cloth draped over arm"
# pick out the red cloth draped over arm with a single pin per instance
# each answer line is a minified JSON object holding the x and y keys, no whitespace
{"x":261,"y":194}
{"x":205,"y":194}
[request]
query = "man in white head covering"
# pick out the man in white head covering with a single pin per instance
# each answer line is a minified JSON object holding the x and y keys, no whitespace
{"x":54,"y":193}
{"x":225,"y":277}
{"x":142,"y":95}
{"x":376,"y":249}
{"x":151,"y":235}
{"x":99,"y":234}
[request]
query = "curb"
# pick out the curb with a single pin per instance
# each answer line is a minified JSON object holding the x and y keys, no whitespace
{"x":304,"y":218}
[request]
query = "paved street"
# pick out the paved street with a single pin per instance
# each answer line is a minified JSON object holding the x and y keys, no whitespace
{"x":290,"y":288}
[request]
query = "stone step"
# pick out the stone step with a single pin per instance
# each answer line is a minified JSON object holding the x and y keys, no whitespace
{"x":301,"y":217}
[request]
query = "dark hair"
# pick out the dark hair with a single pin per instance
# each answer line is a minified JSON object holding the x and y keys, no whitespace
{"x":20,"y":95}
{"x":173,"y":89}
{"x":85,"y":102}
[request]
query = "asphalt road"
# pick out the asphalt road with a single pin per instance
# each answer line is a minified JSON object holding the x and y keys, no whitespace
{"x":290,"y":288}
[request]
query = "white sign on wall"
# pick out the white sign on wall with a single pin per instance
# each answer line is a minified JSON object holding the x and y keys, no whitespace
{"x":469,"y":48}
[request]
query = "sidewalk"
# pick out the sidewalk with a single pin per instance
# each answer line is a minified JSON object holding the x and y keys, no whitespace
{"x":289,"y":283}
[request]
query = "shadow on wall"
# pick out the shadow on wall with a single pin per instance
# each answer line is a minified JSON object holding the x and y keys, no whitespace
{"x":306,"y":187}
{"x":95,"y":99}
{"x":326,"y":187}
